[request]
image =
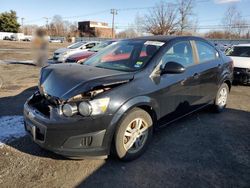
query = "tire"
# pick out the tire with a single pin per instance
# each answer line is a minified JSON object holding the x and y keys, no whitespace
{"x":136,"y":124}
{"x":220,"y":103}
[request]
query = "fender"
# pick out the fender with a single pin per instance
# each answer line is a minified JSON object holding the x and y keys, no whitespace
{"x":122,"y":111}
{"x":226,"y":76}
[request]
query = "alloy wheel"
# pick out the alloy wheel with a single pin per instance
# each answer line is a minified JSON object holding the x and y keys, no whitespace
{"x":222,"y":99}
{"x":135,"y":135}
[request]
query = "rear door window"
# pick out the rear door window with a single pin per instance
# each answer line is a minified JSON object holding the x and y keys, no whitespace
{"x":206,"y":52}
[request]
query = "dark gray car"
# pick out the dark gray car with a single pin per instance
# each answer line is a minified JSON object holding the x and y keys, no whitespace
{"x":120,"y":95}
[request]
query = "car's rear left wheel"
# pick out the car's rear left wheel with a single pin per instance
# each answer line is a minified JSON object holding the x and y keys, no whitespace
{"x":133,"y":134}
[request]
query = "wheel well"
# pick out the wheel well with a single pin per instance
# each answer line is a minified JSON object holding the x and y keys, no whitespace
{"x":229,"y":84}
{"x":150,"y":111}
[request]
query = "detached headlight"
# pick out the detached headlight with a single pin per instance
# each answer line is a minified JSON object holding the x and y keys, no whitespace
{"x":85,"y":108}
{"x":95,"y":107}
{"x":69,"y":109}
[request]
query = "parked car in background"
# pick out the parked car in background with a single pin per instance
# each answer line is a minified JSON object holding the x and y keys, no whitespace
{"x":13,"y":38}
{"x":80,"y":57}
{"x":241,"y":58}
{"x":86,"y":110}
{"x":62,"y":54}
{"x":27,"y":38}
{"x":55,"y":41}
{"x":7,"y":38}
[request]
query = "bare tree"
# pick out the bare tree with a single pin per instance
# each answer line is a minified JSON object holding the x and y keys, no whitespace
{"x":233,"y":22}
{"x":185,"y":10}
{"x":127,"y":33}
{"x":56,"y":26}
{"x":161,"y":20}
{"x":29,"y":29}
{"x":138,"y":24}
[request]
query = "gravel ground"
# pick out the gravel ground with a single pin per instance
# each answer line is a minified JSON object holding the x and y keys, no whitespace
{"x":21,"y":51}
{"x":202,"y":150}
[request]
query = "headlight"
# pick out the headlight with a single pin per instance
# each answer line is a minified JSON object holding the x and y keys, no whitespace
{"x":99,"y":106}
{"x":94,"y":107}
{"x":69,"y":109}
{"x":85,"y":108}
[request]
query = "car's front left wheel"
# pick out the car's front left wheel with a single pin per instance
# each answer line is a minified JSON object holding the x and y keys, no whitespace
{"x":133,"y":134}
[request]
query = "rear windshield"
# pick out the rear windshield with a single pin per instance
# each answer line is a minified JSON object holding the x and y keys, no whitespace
{"x":76,"y":45}
{"x":100,"y":46}
{"x":239,"y":51}
{"x":125,"y":55}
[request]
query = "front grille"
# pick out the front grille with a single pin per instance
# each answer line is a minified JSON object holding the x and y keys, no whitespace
{"x":39,"y":131}
{"x":40,"y":134}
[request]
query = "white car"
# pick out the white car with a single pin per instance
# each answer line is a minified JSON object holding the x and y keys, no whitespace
{"x":241,"y":58}
{"x":62,"y":54}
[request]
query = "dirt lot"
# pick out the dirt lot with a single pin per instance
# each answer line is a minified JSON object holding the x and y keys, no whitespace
{"x":21,"y":51}
{"x":202,"y":150}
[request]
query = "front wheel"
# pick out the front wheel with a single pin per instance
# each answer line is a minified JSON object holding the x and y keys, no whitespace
{"x":221,"y":98}
{"x":133,"y":134}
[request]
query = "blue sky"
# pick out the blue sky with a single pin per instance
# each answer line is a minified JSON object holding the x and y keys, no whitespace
{"x":209,"y":12}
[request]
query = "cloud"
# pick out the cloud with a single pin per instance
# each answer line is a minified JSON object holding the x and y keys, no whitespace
{"x":225,"y":1}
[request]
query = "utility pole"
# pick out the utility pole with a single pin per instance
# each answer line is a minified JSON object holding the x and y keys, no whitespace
{"x":22,"y":24}
{"x":113,"y":12}
{"x":47,"y":24}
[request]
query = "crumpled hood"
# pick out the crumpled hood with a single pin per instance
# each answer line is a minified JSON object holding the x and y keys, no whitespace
{"x":64,"y":81}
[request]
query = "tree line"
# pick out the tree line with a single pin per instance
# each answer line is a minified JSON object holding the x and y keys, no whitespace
{"x":164,"y":18}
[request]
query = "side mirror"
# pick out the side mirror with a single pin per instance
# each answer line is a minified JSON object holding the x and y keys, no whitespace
{"x":172,"y":68}
{"x":83,"y":47}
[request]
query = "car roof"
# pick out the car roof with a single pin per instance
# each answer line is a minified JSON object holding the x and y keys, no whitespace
{"x":165,"y":38}
{"x":243,"y":45}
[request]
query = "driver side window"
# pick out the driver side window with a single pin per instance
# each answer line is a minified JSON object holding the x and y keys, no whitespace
{"x":180,"y":52}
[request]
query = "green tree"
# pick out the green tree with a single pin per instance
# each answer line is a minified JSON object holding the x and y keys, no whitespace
{"x":8,"y":22}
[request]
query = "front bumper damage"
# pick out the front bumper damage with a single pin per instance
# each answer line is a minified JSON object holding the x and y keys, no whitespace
{"x":242,"y":75}
{"x":74,"y":137}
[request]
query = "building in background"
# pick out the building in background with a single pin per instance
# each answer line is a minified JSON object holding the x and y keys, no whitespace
{"x":94,"y":29}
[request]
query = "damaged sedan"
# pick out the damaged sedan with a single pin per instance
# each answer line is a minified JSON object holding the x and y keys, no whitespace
{"x":113,"y":102}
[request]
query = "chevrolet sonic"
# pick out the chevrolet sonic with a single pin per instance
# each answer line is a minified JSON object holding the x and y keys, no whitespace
{"x":115,"y":100}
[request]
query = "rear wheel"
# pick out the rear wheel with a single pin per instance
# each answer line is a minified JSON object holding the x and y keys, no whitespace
{"x":221,"y":98}
{"x":133,"y":134}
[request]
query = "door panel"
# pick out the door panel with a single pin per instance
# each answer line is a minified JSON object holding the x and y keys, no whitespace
{"x":209,"y":65}
{"x":179,"y":93}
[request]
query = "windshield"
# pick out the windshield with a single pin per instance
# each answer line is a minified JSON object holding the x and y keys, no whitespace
{"x":101,"y":46}
{"x":76,"y":45}
{"x":125,"y":55}
{"x":240,"y":51}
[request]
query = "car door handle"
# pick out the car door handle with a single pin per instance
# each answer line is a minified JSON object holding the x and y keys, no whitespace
{"x":196,"y":75}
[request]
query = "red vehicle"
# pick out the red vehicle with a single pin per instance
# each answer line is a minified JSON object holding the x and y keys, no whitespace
{"x":80,"y":57}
